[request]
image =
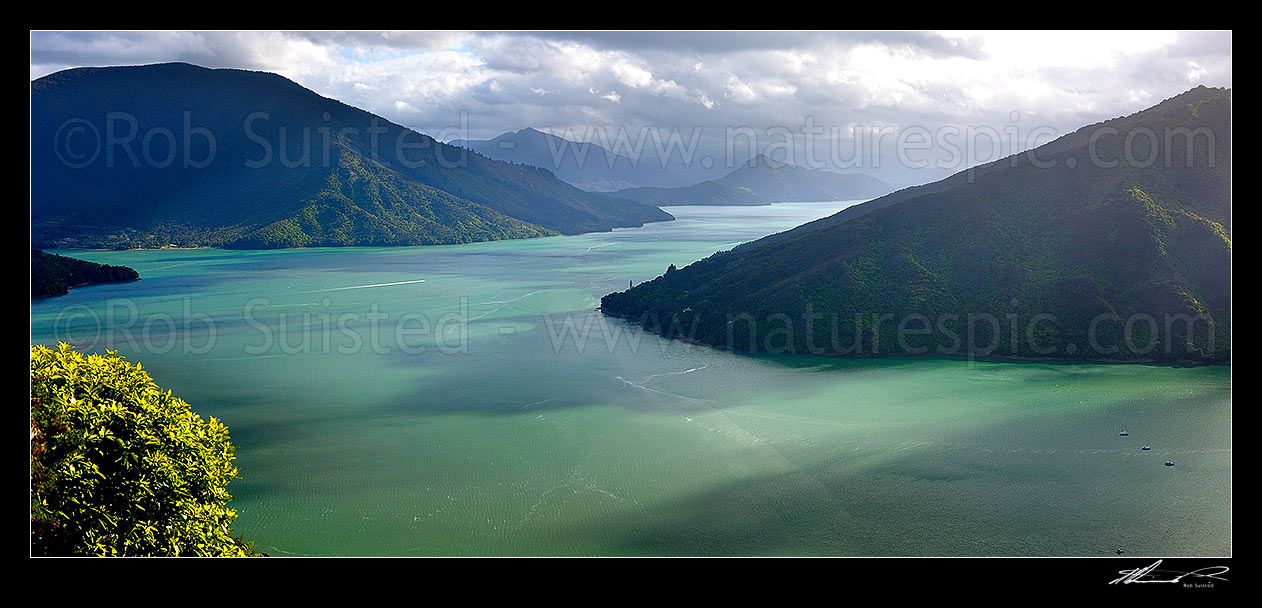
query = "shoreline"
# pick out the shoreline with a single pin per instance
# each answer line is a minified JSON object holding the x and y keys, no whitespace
{"x":987,"y":358}
{"x":70,"y":287}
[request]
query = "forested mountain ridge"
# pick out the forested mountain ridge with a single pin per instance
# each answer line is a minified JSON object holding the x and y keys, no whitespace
{"x":1082,"y":249}
{"x":176,"y":153}
{"x":1078,"y":140}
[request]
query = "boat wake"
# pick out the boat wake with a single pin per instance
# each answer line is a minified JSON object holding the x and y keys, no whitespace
{"x":366,"y":286}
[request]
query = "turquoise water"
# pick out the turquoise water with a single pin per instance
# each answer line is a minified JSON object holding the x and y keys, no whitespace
{"x":484,"y":428}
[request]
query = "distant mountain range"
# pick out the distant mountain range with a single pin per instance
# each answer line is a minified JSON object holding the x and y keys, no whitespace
{"x":54,"y":275}
{"x":783,"y":182}
{"x":763,"y":181}
{"x":179,"y":154}
{"x":586,"y":165}
{"x":705,"y":193}
{"x":1112,"y":242}
{"x":759,"y":181}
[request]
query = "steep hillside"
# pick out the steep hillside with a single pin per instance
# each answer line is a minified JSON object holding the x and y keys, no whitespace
{"x":1112,"y":242}
{"x":133,"y":156}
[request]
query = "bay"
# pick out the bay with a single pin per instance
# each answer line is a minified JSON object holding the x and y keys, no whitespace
{"x":444,"y":401}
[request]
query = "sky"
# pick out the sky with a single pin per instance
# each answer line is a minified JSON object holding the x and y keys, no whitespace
{"x":835,"y":90}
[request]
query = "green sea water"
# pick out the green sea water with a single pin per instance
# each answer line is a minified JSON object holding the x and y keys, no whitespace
{"x":444,"y":401}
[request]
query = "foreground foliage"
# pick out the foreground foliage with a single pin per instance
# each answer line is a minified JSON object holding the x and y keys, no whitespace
{"x":120,"y":467}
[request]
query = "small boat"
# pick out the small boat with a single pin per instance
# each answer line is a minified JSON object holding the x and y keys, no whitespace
{"x":1119,"y":551}
{"x":1169,"y":463}
{"x":1146,"y":448}
{"x":1124,"y":433}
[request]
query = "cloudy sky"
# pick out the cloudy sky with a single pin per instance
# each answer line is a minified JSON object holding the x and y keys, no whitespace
{"x":822,"y":86}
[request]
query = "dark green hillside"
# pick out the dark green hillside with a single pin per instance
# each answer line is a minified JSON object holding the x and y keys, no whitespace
{"x":850,"y":213}
{"x":1078,"y":140}
{"x":1076,"y":260}
{"x":364,"y":203}
{"x":122,"y":156}
{"x":54,"y":275}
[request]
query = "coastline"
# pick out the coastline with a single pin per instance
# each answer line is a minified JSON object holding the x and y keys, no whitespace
{"x":76,"y":286}
{"x":987,"y":358}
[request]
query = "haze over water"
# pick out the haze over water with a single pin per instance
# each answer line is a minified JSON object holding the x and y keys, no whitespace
{"x":501,"y":439}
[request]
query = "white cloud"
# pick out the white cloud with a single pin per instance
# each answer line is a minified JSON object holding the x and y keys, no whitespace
{"x":740,"y":91}
{"x":632,"y":75}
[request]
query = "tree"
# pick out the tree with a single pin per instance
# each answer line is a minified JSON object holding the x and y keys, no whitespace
{"x":120,"y":467}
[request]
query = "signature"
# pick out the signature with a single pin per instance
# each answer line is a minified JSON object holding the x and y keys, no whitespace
{"x":1149,"y":574}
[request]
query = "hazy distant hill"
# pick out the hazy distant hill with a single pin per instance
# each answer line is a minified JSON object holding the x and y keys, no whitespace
{"x":782,"y":182}
{"x":289,"y":168}
{"x":586,"y":165}
{"x":762,"y":181}
{"x":1125,"y":254}
{"x":704,"y":193}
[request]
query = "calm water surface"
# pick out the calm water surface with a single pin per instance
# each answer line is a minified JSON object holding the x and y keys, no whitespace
{"x":443,"y":401}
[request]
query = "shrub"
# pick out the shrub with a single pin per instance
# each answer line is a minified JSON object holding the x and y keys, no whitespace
{"x":120,"y":467}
